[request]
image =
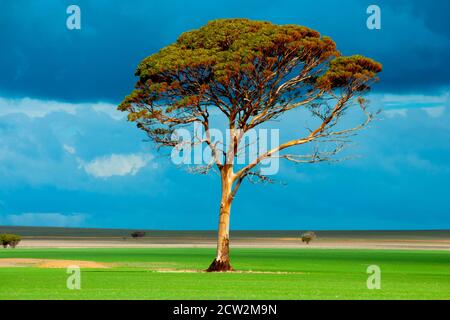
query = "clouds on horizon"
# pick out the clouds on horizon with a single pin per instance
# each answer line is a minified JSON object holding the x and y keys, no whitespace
{"x":82,"y":160}
{"x":67,"y":145}
{"x":38,"y":108}
{"x":116,"y":165}
{"x":44,"y":220}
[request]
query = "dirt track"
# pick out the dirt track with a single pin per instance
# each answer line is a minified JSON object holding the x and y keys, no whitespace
{"x":48,"y":263}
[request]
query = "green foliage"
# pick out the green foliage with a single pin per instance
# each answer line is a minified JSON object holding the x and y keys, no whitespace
{"x":11,"y":240}
{"x":237,"y":65}
{"x":233,"y":46}
{"x":354,"y":71}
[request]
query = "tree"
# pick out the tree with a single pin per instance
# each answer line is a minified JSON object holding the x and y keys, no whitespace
{"x":308,"y":237}
{"x":138,"y":234}
{"x":11,"y":240}
{"x":249,"y":73}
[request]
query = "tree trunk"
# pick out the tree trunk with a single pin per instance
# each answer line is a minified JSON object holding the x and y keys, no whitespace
{"x":222,"y":260}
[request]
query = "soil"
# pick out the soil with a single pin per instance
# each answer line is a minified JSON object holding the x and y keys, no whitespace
{"x":47,"y":263}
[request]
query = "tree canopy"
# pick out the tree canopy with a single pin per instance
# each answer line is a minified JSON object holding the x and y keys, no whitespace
{"x":252,"y":71}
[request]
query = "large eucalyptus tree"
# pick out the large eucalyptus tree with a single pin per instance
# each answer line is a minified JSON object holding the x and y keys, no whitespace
{"x":249,"y":73}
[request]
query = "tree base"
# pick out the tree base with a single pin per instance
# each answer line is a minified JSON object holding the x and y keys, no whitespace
{"x":220,"y":266}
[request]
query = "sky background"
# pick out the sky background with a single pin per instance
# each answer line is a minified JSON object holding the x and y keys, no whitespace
{"x":67,"y":158}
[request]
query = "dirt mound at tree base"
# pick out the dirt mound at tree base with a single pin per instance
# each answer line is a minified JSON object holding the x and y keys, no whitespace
{"x":49,"y":263}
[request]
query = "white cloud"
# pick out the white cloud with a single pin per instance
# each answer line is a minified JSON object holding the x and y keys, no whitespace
{"x":432,"y":112}
{"x":398,"y":162}
{"x":397,"y":99}
{"x":109,"y":110}
{"x":396,"y":112}
{"x":394,"y":105}
{"x":51,"y":151}
{"x":35,"y":108}
{"x":116,"y":165}
{"x":435,"y":112}
{"x":46,"y":219}
{"x":69,"y":149}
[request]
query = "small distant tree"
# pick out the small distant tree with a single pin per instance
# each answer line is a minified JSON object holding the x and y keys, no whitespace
{"x":308,"y":237}
{"x":11,"y":240}
{"x":249,"y":73}
{"x":138,"y":234}
{"x":14,"y":241}
{"x":4,"y":241}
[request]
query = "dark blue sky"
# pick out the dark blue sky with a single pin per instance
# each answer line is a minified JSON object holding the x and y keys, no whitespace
{"x":67,"y":158}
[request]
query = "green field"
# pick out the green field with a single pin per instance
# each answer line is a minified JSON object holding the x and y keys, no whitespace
{"x":277,"y":274}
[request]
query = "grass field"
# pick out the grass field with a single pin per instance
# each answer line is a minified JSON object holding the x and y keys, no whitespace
{"x":136,"y":273}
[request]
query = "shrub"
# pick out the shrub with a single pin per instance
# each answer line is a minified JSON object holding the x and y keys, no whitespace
{"x":308,"y":237}
{"x":3,"y":240}
{"x":11,"y":240}
{"x":138,"y":234}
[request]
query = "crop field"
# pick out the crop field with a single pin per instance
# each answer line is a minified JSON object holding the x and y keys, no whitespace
{"x":261,"y":273}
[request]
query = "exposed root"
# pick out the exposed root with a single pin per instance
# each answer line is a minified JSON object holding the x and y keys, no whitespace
{"x":220,"y":266}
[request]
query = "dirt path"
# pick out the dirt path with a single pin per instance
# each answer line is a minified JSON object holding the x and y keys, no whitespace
{"x":48,"y":263}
